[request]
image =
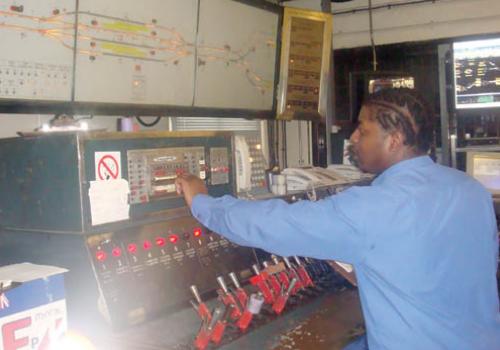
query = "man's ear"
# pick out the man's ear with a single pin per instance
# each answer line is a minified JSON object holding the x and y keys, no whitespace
{"x":396,"y":141}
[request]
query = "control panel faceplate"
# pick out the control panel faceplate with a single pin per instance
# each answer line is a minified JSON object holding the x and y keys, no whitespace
{"x":144,"y":270}
{"x":152,"y":172}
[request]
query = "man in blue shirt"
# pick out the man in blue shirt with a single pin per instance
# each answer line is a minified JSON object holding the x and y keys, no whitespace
{"x":422,"y":237}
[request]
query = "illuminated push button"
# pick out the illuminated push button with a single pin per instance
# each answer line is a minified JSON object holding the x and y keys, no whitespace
{"x":173,"y":239}
{"x":117,"y":252}
{"x":197,"y":232}
{"x":160,"y":241}
{"x":147,"y":245}
{"x":100,"y":255}
{"x":17,"y":8}
{"x":132,"y":248}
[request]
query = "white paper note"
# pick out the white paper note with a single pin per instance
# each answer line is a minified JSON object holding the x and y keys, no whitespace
{"x":109,"y":201}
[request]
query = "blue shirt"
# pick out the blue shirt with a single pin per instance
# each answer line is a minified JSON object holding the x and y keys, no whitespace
{"x":422,"y":238}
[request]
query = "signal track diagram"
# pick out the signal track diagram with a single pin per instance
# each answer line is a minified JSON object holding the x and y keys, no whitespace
{"x":477,"y":73}
{"x":165,"y":52}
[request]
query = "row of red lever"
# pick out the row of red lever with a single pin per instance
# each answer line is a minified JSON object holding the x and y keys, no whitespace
{"x":276,"y":283}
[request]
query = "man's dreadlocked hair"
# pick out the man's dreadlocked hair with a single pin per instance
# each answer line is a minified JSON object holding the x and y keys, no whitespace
{"x":406,"y":111}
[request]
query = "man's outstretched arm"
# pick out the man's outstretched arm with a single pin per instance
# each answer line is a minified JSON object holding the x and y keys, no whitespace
{"x":315,"y":229}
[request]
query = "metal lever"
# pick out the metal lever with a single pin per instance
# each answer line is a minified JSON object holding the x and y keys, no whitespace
{"x":222,"y":284}
{"x":291,"y":286}
{"x":241,"y":295}
{"x":216,"y":316}
{"x":280,"y":302}
{"x":195,"y":293}
{"x":219,"y":325}
{"x":273,"y":280}
{"x":294,"y":274}
{"x":234,"y":279}
{"x":260,"y":280}
{"x":275,"y":259}
{"x":287,"y":263}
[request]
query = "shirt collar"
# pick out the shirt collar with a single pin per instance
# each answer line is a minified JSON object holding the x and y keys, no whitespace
{"x":404,"y":165}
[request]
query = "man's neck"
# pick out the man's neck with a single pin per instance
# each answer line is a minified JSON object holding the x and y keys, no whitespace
{"x":405,"y":154}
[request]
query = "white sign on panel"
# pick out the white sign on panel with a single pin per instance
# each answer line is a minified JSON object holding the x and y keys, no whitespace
{"x":236,"y":56}
{"x":36,"y":49}
{"x":139,"y":52}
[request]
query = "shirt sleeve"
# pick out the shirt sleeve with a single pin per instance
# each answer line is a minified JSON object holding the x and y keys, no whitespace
{"x":318,"y":229}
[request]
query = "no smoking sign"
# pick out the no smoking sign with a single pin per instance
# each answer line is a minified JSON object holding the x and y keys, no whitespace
{"x":107,"y":165}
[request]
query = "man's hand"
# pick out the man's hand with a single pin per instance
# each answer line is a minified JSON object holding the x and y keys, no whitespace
{"x":190,"y":186}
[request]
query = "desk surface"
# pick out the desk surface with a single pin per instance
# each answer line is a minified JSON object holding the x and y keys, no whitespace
{"x":328,"y":323}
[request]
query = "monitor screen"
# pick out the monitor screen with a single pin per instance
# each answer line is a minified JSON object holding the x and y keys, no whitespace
{"x":477,"y":73}
{"x":375,"y":85}
{"x":485,"y":167}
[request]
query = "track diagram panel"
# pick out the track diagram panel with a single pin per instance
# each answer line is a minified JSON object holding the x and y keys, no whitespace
{"x":136,"y":51}
{"x":236,"y":57}
{"x":477,"y":73}
{"x":36,"y":49}
{"x":190,"y":53}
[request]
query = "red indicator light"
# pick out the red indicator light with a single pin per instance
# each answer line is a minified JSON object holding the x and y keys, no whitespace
{"x":117,"y":252}
{"x":173,"y":238}
{"x":147,"y":245}
{"x":100,"y":255}
{"x":132,"y":248}
{"x":197,"y":232}
{"x":160,"y":241}
{"x":17,"y":8}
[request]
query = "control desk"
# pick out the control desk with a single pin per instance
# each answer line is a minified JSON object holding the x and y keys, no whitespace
{"x":123,"y":271}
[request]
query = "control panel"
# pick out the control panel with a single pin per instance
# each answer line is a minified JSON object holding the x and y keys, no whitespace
{"x":219,"y":169}
{"x":144,"y":270}
{"x":152,"y":172}
{"x":56,"y":178}
{"x":258,"y":163}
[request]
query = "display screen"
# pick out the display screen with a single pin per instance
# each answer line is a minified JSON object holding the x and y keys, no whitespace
{"x":375,"y":85}
{"x":485,"y":167}
{"x":477,"y":74}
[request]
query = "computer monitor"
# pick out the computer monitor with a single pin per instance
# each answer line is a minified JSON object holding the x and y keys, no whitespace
{"x":485,"y":167}
{"x":377,"y":84}
{"x":363,"y":84}
{"x":477,"y":74}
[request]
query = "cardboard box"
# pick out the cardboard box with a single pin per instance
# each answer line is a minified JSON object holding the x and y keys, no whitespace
{"x":32,"y":306}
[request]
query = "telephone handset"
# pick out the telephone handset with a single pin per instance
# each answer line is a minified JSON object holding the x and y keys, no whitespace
{"x":302,"y":178}
{"x":302,"y":174}
{"x":299,"y":179}
{"x":327,"y":175}
{"x":243,"y":165}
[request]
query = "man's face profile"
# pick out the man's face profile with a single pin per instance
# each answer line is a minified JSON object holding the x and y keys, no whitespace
{"x":370,"y":144}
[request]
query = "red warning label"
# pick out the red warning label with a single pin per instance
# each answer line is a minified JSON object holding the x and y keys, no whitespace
{"x":107,"y":165}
